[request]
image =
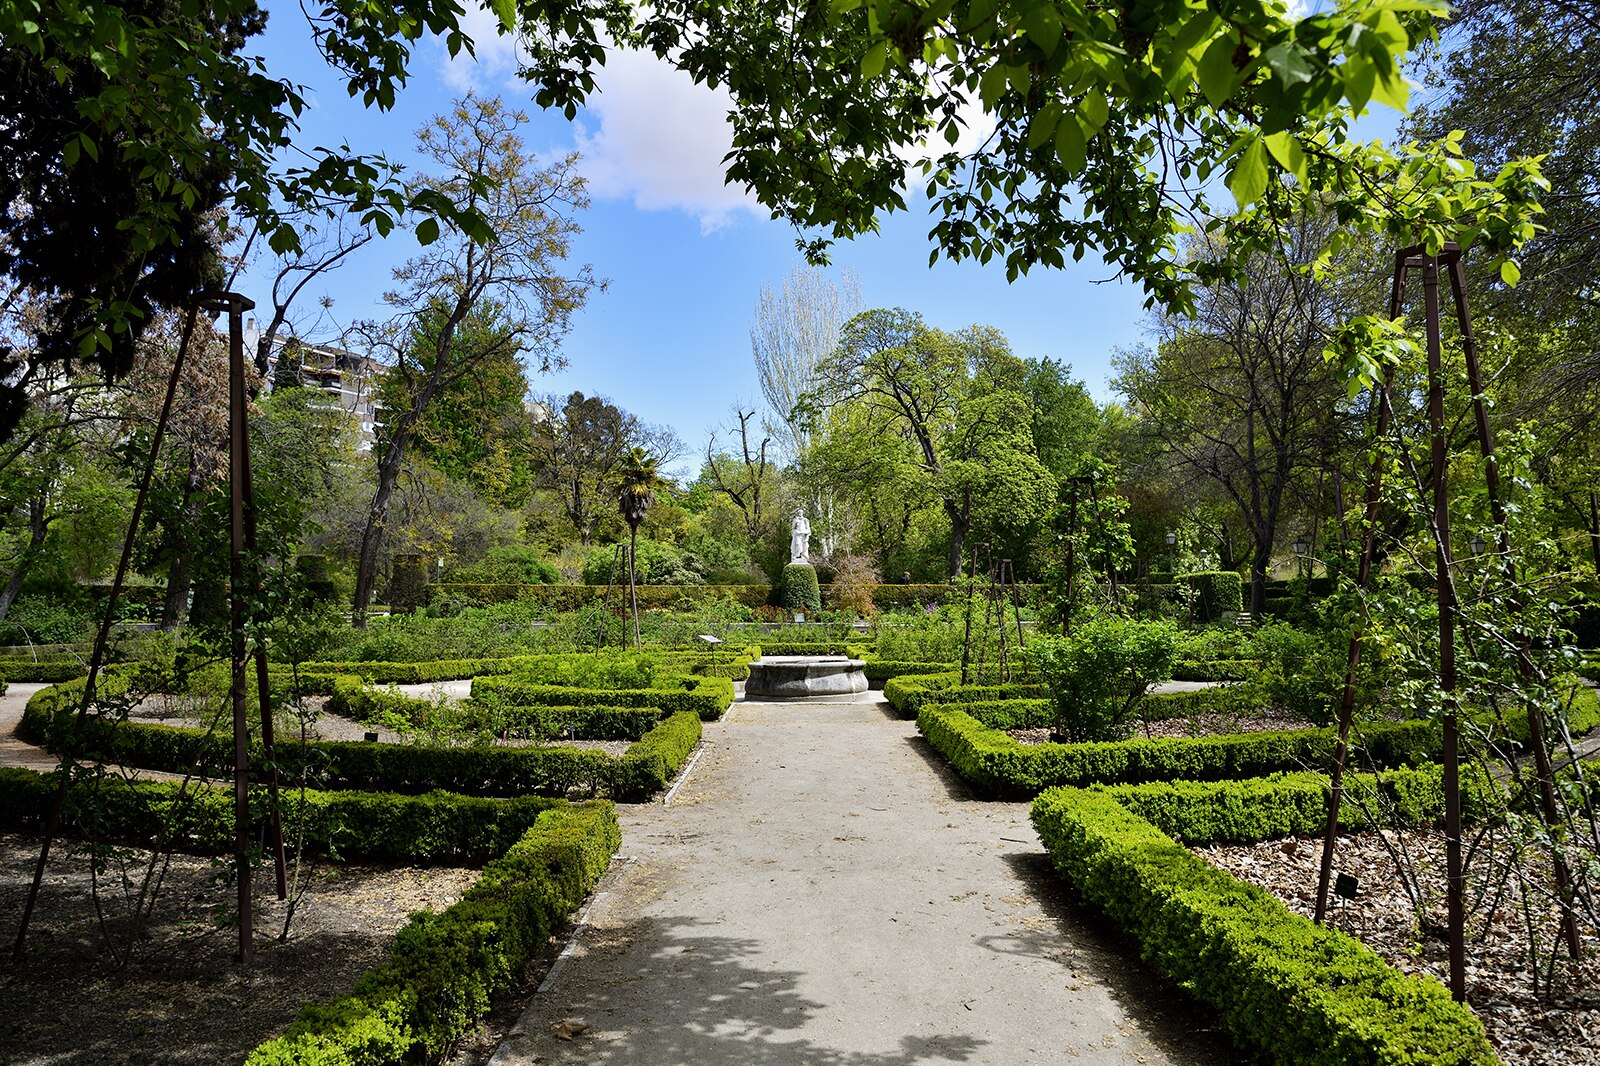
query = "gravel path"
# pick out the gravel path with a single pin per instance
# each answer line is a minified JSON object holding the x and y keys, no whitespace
{"x":835,"y":896}
{"x":14,"y":751}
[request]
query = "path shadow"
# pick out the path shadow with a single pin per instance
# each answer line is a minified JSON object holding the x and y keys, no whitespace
{"x":954,"y":785}
{"x":1084,"y":941}
{"x":667,"y":991}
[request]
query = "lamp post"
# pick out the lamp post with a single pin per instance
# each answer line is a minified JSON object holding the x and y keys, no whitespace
{"x":1172,"y":544}
{"x":1302,"y":554}
{"x":1478,"y":545}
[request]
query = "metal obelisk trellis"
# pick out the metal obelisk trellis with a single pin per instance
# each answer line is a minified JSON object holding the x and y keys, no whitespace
{"x":242,"y":530}
{"x":1429,"y":265}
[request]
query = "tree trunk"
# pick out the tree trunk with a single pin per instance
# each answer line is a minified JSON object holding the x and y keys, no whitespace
{"x":38,"y":526}
{"x":377,"y":524}
{"x":1594,"y":527}
{"x":633,"y":594}
{"x":960,"y":524}
{"x":180,"y":571}
{"x":1259,"y":562}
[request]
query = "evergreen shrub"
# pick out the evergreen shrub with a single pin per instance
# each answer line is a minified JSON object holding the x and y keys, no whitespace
{"x":445,"y":969}
{"x":799,"y":590}
{"x":1286,"y":988}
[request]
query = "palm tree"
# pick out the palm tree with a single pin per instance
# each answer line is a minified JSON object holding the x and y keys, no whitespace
{"x":640,"y":480}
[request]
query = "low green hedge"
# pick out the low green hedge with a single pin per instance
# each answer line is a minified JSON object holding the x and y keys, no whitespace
{"x":1294,"y":804}
{"x":387,"y":673}
{"x":708,"y":697}
{"x":546,"y":722}
{"x":573,"y":597}
{"x":813,"y":647}
{"x":349,"y":826}
{"x":352,"y":697}
{"x":879,"y":671}
{"x":908,"y":692}
{"x":1011,"y":714}
{"x":1215,"y":670}
{"x":556,"y":770}
{"x":995,"y":764}
{"x":445,"y":969}
{"x":50,"y":671}
{"x":1218,"y":699}
{"x":1285,"y":987}
{"x":1583,"y":714}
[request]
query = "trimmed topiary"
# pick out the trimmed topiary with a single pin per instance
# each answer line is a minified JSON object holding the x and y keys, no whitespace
{"x":800,"y":591}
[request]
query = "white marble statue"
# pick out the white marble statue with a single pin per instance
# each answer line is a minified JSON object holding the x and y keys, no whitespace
{"x":800,"y":540}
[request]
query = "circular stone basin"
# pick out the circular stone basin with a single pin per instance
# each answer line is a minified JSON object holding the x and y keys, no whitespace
{"x":799,"y":676}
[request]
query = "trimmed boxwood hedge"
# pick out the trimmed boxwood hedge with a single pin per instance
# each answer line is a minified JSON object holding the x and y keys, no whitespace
{"x":996,"y":764}
{"x":50,"y":671}
{"x":708,"y":697}
{"x":1215,"y":670}
{"x":882,"y":670}
{"x":388,"y":673}
{"x":558,"y":770}
{"x":908,"y":692}
{"x":1293,"y":804}
{"x":1284,"y":986}
{"x":445,"y":969}
{"x":349,"y":826}
{"x":572,"y":597}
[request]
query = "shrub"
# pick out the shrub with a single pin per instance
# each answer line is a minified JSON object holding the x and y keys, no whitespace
{"x":855,"y":579}
{"x":1302,"y":671}
{"x":446,"y":968}
{"x":1295,"y":804}
{"x":439,"y":827}
{"x":1099,"y":674}
{"x":1214,"y":591}
{"x":996,"y":764}
{"x":706,"y":696}
{"x":1296,"y":991}
{"x":512,"y":564}
{"x":799,"y":589}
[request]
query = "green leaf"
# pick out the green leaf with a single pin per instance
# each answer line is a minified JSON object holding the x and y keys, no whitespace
{"x":507,"y":12}
{"x":1043,"y":124}
{"x":1285,"y":148}
{"x":1216,"y":72}
{"x":875,"y":60}
{"x":1042,"y":24}
{"x":1288,"y":64}
{"x":1510,"y":273}
{"x":1392,"y":89}
{"x":1249,"y":178}
{"x":1070,"y":145}
{"x":427,"y":231}
{"x":1094,"y":111}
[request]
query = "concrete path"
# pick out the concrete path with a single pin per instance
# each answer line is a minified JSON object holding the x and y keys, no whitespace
{"x":822,"y":890}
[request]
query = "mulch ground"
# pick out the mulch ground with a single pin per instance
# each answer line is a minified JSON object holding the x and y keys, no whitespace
{"x":1202,"y":725}
{"x":180,"y":997}
{"x":1558,"y":1026}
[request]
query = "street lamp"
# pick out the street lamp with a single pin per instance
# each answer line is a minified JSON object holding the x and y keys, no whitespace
{"x":1478,"y":545}
{"x":1302,"y":553}
{"x":1172,"y":543}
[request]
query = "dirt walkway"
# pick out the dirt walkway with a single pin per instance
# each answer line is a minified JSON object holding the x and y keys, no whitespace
{"x":13,"y":750}
{"x":836,"y":897}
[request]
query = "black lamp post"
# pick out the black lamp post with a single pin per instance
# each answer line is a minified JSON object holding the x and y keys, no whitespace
{"x":1172,"y":544}
{"x":1302,"y":554}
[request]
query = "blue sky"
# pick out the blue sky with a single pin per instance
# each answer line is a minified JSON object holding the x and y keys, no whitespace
{"x":686,"y":256}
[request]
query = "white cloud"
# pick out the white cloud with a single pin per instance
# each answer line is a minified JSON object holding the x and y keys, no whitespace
{"x":494,"y":65}
{"x":660,"y":142}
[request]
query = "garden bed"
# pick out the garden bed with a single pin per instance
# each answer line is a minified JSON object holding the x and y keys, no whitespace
{"x":183,"y":979}
{"x":1204,"y":725}
{"x":1559,"y":1030}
